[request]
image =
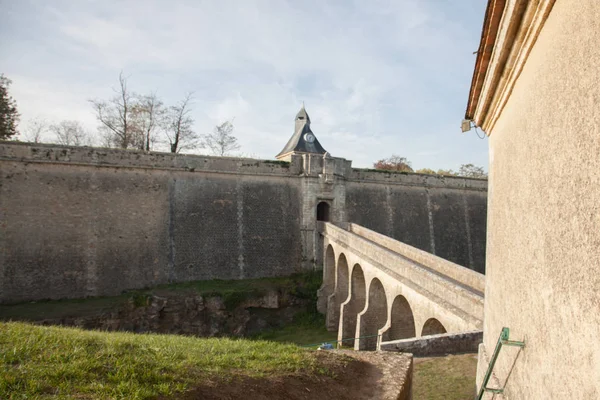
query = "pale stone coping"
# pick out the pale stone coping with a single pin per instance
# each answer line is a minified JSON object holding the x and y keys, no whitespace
{"x":414,"y":179}
{"x":109,"y":157}
{"x":300,"y":165}
{"x":432,"y":345}
{"x":521,"y":23}
{"x":463,"y":275}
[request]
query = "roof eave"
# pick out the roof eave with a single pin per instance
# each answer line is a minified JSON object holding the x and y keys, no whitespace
{"x":489,"y":32}
{"x":510,"y":30}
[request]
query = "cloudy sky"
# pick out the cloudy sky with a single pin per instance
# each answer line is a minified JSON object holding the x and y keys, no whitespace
{"x":377,"y":77}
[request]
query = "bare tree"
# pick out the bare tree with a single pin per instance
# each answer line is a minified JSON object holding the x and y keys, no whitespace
{"x":71,"y":133}
{"x":147,"y":115}
{"x":178,"y":127}
{"x":472,"y":171}
{"x":115,"y":116}
{"x":221,"y":141}
{"x":35,"y":130}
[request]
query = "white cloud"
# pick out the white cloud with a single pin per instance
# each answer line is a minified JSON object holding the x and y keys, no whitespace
{"x":50,"y":102}
{"x":374,"y":75}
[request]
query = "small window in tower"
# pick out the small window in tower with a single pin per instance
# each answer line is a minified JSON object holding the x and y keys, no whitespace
{"x":300,"y":117}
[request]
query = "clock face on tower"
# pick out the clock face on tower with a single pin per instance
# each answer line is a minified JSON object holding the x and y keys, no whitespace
{"x":309,"y":137}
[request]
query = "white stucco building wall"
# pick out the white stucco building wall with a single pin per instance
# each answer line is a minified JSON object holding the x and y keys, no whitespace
{"x":542,"y":114}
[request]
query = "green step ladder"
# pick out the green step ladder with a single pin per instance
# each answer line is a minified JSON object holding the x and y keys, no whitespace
{"x":503,"y":340}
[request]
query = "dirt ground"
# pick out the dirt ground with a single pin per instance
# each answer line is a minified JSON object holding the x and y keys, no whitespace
{"x":346,"y":378}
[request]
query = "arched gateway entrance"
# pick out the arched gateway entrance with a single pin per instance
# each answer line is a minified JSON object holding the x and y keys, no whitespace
{"x":323,"y":211}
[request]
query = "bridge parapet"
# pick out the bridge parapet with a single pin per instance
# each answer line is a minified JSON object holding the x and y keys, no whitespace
{"x":460,"y":274}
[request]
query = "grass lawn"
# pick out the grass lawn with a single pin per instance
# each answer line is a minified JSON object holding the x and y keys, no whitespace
{"x":445,"y":378}
{"x":54,"y":362}
{"x":307,"y":329}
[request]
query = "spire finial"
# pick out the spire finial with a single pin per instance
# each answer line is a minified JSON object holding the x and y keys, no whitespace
{"x":302,"y":116}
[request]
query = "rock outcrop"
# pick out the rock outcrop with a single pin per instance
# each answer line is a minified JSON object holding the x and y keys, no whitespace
{"x":193,"y":314}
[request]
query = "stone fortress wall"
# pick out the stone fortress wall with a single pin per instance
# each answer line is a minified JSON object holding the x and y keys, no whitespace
{"x":445,"y":216}
{"x":81,"y":221}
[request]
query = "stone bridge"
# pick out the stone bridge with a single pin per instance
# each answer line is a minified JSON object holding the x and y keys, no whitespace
{"x":374,"y":285}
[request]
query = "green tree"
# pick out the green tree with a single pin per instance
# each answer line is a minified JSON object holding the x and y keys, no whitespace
{"x":9,"y":116}
{"x":394,"y":163}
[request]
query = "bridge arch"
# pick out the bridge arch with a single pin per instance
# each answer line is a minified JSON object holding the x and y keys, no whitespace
{"x":340,"y":294}
{"x":432,"y":327}
{"x":402,"y":320}
{"x":353,"y":305}
{"x":329,"y":271}
{"x":374,"y":317}
{"x":342,"y":280}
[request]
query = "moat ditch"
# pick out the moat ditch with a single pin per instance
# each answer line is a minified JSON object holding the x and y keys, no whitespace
{"x":278,"y":309}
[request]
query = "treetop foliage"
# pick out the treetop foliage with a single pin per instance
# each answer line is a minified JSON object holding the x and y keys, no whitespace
{"x":394,"y":163}
{"x":9,"y":116}
{"x":397,"y":163}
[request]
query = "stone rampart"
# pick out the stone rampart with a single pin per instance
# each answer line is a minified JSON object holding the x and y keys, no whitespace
{"x":81,"y":221}
{"x":445,"y":216}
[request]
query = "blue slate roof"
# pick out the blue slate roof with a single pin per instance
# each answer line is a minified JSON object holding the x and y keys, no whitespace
{"x":298,"y":143}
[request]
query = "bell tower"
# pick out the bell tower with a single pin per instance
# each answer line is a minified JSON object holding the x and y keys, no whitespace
{"x":303,"y":141}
